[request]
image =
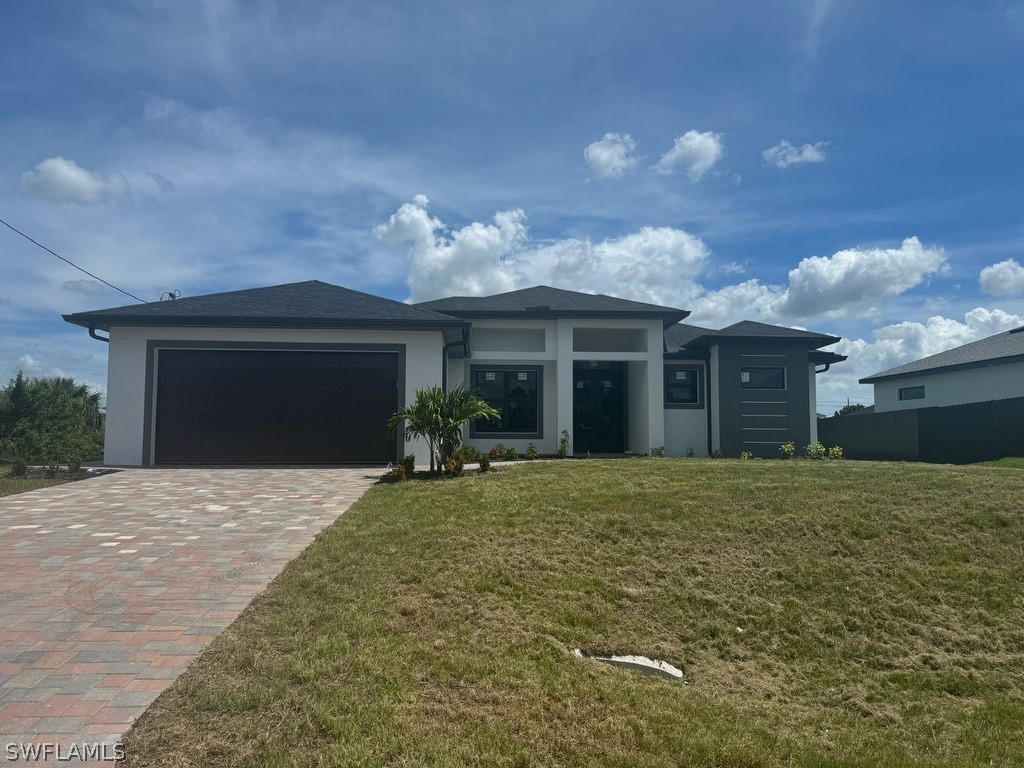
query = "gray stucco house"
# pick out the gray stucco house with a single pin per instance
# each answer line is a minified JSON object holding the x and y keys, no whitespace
{"x":308,"y":373}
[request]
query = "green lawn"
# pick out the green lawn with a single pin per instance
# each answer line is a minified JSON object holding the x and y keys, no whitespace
{"x":1010,"y":462}
{"x":10,"y":484}
{"x":825,"y":614}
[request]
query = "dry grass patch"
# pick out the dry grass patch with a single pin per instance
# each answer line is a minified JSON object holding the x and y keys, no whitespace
{"x":825,"y":614}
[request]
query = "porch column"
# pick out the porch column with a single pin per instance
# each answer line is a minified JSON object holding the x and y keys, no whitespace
{"x":564,"y":378}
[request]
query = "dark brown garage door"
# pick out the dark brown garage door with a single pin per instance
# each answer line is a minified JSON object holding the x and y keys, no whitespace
{"x":274,"y":407}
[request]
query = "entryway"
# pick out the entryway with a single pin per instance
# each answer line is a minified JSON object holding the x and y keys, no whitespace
{"x":599,"y":406}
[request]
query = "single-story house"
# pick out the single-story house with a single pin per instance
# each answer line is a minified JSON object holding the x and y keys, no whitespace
{"x":988,"y":369}
{"x":308,"y":373}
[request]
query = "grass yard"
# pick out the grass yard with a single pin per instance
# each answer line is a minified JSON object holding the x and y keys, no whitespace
{"x":825,"y":614}
{"x":10,"y":484}
{"x":1010,"y":462}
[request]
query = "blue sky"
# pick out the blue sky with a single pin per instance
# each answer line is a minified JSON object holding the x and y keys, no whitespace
{"x":420,"y":149}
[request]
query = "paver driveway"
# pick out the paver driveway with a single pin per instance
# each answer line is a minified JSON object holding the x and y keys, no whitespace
{"x":110,"y":586}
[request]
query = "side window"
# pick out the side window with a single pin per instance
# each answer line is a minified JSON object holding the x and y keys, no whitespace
{"x":684,"y":386}
{"x":912,"y":393}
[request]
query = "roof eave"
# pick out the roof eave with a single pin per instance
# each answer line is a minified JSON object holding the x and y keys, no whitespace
{"x":711,"y":339}
{"x":990,"y":362}
{"x":668,"y":318}
{"x":104,"y":322}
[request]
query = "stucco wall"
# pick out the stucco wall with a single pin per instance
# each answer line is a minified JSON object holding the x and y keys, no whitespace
{"x":975,"y":385}
{"x":126,"y":372}
{"x":687,"y":428}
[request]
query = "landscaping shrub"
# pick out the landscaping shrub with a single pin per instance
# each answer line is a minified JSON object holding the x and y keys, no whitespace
{"x":498,"y":451}
{"x":563,"y":445}
{"x":717,"y":454}
{"x":511,"y":454}
{"x":690,"y":453}
{"x":835,"y":452}
{"x":746,"y":455}
{"x":787,"y":450}
{"x":485,"y":463}
{"x":19,"y":467}
{"x":469,"y":454}
{"x":531,"y":452}
{"x":815,"y":451}
{"x":658,"y":453}
{"x":409,"y":464}
{"x":454,"y":467}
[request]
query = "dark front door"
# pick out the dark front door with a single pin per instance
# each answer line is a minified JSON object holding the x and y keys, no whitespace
{"x":599,"y":407}
{"x":275,"y":407}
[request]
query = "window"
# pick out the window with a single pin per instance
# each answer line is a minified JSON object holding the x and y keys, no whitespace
{"x":515,"y":393}
{"x":684,"y":386}
{"x":912,"y":393}
{"x":762,"y":378}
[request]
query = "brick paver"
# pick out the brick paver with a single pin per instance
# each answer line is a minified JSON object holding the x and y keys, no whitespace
{"x":110,"y":586}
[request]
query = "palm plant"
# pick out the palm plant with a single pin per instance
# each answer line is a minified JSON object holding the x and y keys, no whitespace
{"x":438,"y":417}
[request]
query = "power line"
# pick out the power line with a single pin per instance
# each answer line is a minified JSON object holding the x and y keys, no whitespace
{"x":66,"y":261}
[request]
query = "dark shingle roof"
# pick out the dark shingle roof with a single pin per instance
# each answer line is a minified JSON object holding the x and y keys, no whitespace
{"x":545,"y":301}
{"x":747,"y":330}
{"x":679,"y":335}
{"x":311,"y":304}
{"x":1006,"y":347}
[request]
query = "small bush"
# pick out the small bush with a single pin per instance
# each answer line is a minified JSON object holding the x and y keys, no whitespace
{"x":531,"y":452}
{"x":787,"y":450}
{"x":454,"y":467}
{"x":511,"y":454}
{"x":658,"y":453}
{"x":835,"y":452}
{"x":746,"y":455}
{"x":716,"y":454}
{"x":563,"y":445}
{"x":497,"y":451}
{"x":815,"y":451}
{"x":468,"y":454}
{"x":690,"y":453}
{"x":396,"y":474}
{"x":19,"y":467}
{"x":408,"y":464}
{"x":485,"y":463}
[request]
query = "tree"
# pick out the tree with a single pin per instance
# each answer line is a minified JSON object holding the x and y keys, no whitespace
{"x":438,"y":417}
{"x":850,"y":408}
{"x":52,"y":420}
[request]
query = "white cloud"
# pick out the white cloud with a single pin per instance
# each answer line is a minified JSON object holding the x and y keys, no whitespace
{"x":749,"y":300}
{"x":471,"y":261}
{"x":900,"y":343}
{"x":657,"y":264}
{"x":613,"y":156}
{"x":1005,"y":278}
{"x":64,"y":181}
{"x":30,"y":366}
{"x":694,"y":151}
{"x":784,"y":154}
{"x":861,"y":279}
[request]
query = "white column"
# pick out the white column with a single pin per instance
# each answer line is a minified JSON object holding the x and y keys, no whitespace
{"x":564,"y":377}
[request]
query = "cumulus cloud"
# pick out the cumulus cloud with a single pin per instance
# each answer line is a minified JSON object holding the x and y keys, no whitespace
{"x":612,"y":157}
{"x":749,"y":300}
{"x":900,"y":343}
{"x":784,"y":154}
{"x":1003,"y":279}
{"x":60,"y":180}
{"x":862,"y":279}
{"x":471,"y":261}
{"x":695,"y":152}
{"x":657,"y":264}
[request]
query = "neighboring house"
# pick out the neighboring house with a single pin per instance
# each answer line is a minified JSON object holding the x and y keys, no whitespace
{"x":989,"y":369}
{"x":309,"y":373}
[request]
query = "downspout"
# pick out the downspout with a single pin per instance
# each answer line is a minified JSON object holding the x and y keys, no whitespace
{"x":823,"y":370}
{"x":92,"y":334}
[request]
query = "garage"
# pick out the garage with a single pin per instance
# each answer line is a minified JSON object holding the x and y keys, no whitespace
{"x":243,"y":406}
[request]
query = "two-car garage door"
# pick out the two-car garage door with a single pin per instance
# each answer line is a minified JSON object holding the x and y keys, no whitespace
{"x":275,"y":406}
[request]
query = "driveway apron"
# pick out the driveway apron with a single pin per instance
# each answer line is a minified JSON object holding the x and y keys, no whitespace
{"x":110,"y":586}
